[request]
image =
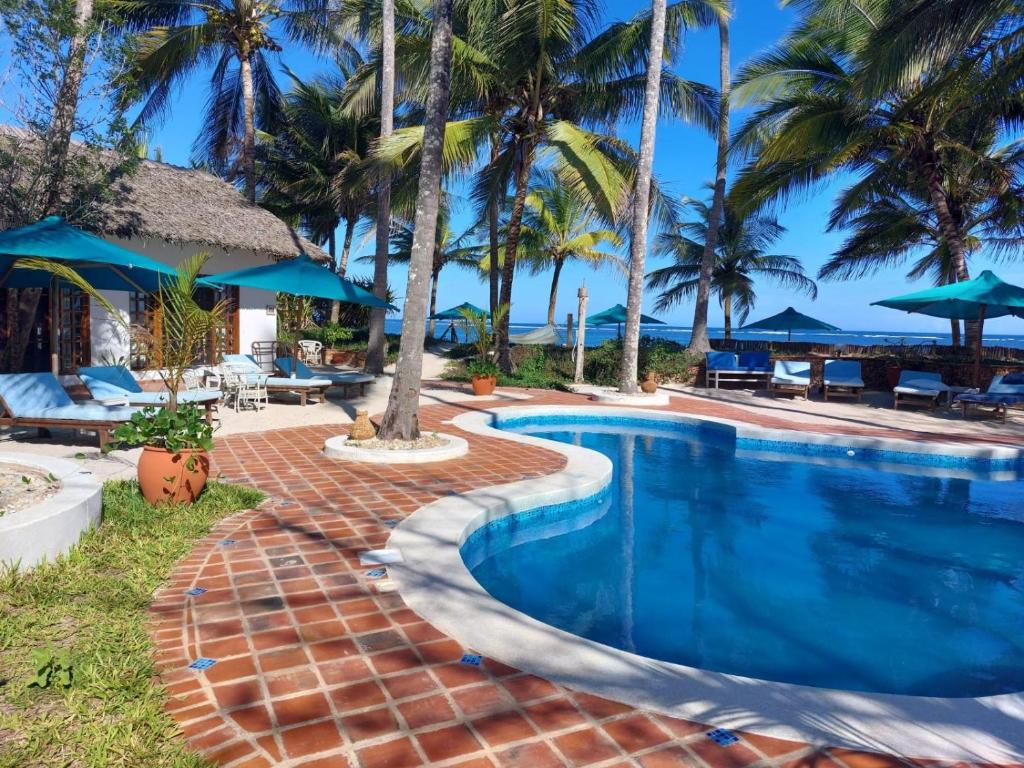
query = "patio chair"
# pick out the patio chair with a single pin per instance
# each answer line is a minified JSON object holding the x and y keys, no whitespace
{"x":311,"y":351}
{"x":244,"y":364}
{"x":1004,"y":392}
{"x":843,"y":377}
{"x":38,"y":400}
{"x":116,"y":383}
{"x":244,"y":388}
{"x":343,"y":379}
{"x":919,"y":388}
{"x":792,"y":377}
{"x":726,"y":366}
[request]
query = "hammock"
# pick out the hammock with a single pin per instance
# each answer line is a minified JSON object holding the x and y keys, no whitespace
{"x":545,"y":335}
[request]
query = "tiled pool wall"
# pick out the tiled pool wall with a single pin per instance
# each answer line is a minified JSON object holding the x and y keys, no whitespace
{"x":724,"y":435}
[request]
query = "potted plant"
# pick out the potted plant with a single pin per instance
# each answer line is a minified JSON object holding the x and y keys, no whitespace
{"x":483,"y":373}
{"x":174,"y":465}
{"x":175,"y":440}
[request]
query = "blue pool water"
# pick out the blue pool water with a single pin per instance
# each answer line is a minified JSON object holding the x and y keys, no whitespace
{"x":834,"y":572}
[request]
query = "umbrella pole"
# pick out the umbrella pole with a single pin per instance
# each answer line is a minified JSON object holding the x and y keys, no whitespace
{"x":977,"y":350}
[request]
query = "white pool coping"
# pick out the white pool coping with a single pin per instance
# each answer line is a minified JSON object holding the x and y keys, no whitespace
{"x":435,"y":583}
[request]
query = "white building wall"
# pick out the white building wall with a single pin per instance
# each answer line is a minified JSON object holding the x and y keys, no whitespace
{"x":255,"y":322}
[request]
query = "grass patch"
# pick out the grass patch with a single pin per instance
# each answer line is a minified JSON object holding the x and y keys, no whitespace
{"x":92,"y":603}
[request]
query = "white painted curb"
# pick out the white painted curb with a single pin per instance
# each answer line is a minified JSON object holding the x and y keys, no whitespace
{"x":52,"y":527}
{"x":435,"y":583}
{"x":453,"y":448}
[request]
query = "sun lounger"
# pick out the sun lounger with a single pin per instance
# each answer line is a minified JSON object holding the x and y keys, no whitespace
{"x":726,"y":366}
{"x":247,"y":366}
{"x":38,"y":400}
{"x":919,"y":387}
{"x":842,"y":377}
{"x":791,"y":376}
{"x":344,"y":379}
{"x":1004,"y":392}
{"x":115,"y":382}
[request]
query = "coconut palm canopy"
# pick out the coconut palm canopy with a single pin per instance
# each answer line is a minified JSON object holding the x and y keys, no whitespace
{"x":105,"y":265}
{"x":789,"y":320}
{"x":300,"y":276}
{"x":455,"y":313}
{"x":963,"y":301}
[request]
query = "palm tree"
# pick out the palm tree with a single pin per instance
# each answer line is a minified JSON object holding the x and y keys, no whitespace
{"x":699,"y":330}
{"x":641,"y":197}
{"x":539,"y":83}
{"x":557,"y":228}
{"x":175,"y":38}
{"x":740,"y":257}
{"x":313,"y":169}
{"x":401,"y":419}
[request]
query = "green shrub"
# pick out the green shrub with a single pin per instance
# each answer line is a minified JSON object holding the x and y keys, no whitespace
{"x":669,"y":361}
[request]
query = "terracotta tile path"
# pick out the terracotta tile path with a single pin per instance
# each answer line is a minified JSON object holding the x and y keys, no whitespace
{"x":316,"y":667}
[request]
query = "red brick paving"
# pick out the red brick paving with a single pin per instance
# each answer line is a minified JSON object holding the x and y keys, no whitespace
{"x":317,"y":668}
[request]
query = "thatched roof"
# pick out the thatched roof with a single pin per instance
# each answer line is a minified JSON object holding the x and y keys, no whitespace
{"x":188,"y":206}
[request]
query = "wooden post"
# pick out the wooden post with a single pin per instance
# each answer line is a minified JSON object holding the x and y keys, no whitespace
{"x":581,"y":333}
{"x":568,"y":331}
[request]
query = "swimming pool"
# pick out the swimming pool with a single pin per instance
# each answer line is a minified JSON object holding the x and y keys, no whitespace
{"x":882,"y":571}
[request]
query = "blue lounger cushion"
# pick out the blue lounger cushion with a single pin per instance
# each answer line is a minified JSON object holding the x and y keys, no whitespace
{"x":116,"y":381}
{"x":40,"y":396}
{"x":795,"y":372}
{"x":842,"y":373}
{"x":247,"y":365}
{"x":920,"y":383}
{"x":338,"y":377}
{"x":721,"y":361}
{"x":1006,"y":385}
{"x":755,"y":362}
{"x":999,"y":393}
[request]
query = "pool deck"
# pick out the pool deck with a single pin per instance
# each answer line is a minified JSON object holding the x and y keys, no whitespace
{"x":317,"y":665}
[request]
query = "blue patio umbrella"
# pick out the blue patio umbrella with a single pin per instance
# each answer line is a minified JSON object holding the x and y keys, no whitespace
{"x":617,"y":316}
{"x":455,"y":313}
{"x":300,"y":276}
{"x":790,"y":320}
{"x":104,"y":265}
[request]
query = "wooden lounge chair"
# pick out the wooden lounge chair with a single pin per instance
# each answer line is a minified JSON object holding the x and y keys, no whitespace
{"x":343,"y":379}
{"x":115,"y":382}
{"x":38,"y":400}
{"x":918,"y":388}
{"x":316,"y":386}
{"x":1003,"y":393}
{"x":791,"y":377}
{"x":752,"y":367}
{"x":843,"y":377}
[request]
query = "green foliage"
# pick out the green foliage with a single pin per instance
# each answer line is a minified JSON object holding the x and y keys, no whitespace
{"x":53,"y":667}
{"x":668,"y":360}
{"x":330,"y":335}
{"x":184,"y":429}
{"x":483,"y":342}
{"x":93,"y":602}
{"x":482,"y":368}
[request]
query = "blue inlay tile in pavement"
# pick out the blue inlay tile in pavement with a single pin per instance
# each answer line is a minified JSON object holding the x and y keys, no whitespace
{"x":202,"y":663}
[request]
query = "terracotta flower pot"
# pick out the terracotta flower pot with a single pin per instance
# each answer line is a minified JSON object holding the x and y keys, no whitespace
{"x":484,"y":385}
{"x":892,"y":375}
{"x":165,"y":477}
{"x":649,"y":385}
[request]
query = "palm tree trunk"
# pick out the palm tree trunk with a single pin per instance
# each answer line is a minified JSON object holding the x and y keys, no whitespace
{"x":332,"y":248}
{"x":515,"y":222}
{"x":954,"y":332}
{"x":641,"y":199}
{"x":699,"y":335}
{"x":553,"y":296}
{"x":493,"y":274}
{"x":727,"y":312}
{"x":376,"y":351}
{"x":65,"y":108}
{"x":432,"y":325}
{"x":346,"y":245}
{"x":249,"y":119}
{"x":401,"y":419}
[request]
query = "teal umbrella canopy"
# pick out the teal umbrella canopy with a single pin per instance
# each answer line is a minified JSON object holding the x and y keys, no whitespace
{"x":790,"y":320}
{"x":105,"y":265}
{"x":300,"y":276}
{"x":984,"y":296}
{"x":455,"y":313}
{"x":617,"y":315}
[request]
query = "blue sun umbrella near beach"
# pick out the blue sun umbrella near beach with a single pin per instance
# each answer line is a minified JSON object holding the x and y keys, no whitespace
{"x":984,"y":296}
{"x":617,"y":316}
{"x":789,"y":320}
{"x":455,"y":315}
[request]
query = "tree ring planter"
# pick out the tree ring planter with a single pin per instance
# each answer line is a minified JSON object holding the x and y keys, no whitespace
{"x":615,"y":397}
{"x":453,"y":448}
{"x":41,"y":532}
{"x":166,"y":478}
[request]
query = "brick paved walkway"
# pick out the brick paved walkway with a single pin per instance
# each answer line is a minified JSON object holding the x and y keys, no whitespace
{"x":315,"y":667}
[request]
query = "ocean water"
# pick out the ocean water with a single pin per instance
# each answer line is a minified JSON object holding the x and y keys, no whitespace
{"x":596,"y":335}
{"x":840,"y":574}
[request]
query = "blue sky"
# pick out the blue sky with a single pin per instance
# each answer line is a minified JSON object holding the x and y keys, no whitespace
{"x":684,"y":161}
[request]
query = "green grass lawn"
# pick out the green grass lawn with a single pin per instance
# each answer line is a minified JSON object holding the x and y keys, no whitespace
{"x":93,"y":603}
